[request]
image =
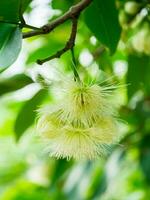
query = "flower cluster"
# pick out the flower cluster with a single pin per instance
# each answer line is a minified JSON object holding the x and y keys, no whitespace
{"x":81,"y":124}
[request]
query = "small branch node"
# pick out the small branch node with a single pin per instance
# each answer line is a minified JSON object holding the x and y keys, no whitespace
{"x":45,"y":29}
{"x":72,"y":13}
{"x":69,"y":44}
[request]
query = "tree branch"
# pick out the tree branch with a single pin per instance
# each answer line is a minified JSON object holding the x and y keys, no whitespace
{"x":69,"y":45}
{"x":71,"y":13}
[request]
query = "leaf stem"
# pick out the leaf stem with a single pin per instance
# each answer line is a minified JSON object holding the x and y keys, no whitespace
{"x":74,"y":66}
{"x":31,"y":27}
{"x":22,"y":25}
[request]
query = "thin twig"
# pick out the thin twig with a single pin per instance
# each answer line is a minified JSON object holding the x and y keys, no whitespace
{"x":31,"y":27}
{"x":72,"y":12}
{"x":21,"y":25}
{"x":69,"y":45}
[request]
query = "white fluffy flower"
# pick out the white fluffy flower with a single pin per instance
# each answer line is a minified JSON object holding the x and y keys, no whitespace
{"x":81,"y":124}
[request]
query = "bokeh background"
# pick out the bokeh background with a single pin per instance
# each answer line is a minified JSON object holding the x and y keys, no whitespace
{"x":26,"y":172}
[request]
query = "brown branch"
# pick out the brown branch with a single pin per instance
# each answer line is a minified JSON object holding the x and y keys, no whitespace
{"x":71,"y":13}
{"x":69,"y":45}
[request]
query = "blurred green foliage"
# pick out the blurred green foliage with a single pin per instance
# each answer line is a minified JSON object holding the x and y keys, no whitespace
{"x":26,"y":172}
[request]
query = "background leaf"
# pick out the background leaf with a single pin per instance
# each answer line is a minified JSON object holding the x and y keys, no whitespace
{"x":24,"y":4}
{"x":102,"y":19}
{"x":27,"y":114}
{"x":14,"y":83}
{"x":9,"y":10}
{"x":11,"y":46}
{"x":63,"y":4}
{"x":138,"y":74}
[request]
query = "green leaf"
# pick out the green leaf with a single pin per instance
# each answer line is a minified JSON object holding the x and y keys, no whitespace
{"x":27,"y":113}
{"x":10,"y":44}
{"x":63,"y":5}
{"x":61,"y":167}
{"x":24,"y":4}
{"x":9,"y":10}
{"x":14,"y":83}
{"x":102,"y":19}
{"x":138,"y":74}
{"x":11,"y":172}
{"x":145,"y":157}
{"x":5,"y":30}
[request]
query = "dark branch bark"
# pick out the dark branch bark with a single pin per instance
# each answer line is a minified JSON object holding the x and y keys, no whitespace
{"x":71,"y":13}
{"x":69,"y":45}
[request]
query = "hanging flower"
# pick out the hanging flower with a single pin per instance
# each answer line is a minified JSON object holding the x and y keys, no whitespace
{"x":81,"y":124}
